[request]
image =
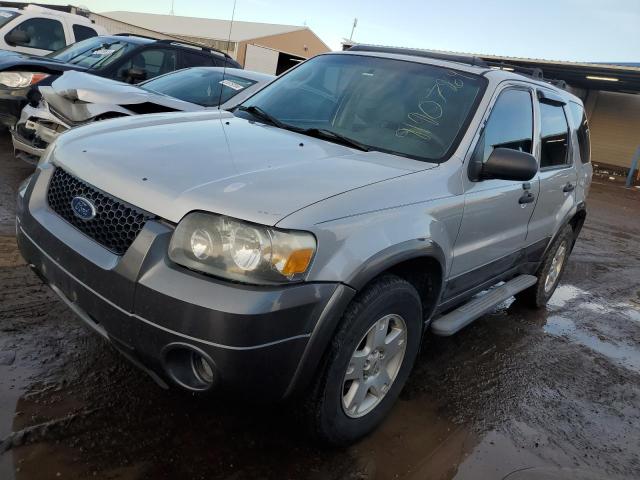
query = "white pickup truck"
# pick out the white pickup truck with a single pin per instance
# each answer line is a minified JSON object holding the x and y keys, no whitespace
{"x":39,"y":31}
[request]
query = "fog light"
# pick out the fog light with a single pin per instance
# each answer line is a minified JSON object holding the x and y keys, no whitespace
{"x":201,"y":368}
{"x":189,"y":367}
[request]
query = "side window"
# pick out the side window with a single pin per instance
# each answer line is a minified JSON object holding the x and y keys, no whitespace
{"x":510,"y":125}
{"x":80,"y":32}
{"x":42,"y":33}
{"x":582,"y":129}
{"x":193,"y":59}
{"x":554,"y":134}
{"x":148,"y":64}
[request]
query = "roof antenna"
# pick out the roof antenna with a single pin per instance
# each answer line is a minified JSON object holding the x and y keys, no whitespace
{"x":224,"y":67}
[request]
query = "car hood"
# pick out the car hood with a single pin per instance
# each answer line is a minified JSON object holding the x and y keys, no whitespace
{"x":79,"y":97}
{"x":10,"y":59}
{"x":171,"y":164}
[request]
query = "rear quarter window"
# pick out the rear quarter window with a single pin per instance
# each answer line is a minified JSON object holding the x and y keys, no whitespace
{"x":194,"y":59}
{"x":81,"y":32}
{"x":6,"y":16}
{"x":581,"y":126}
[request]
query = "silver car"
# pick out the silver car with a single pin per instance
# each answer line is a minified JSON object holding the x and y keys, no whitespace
{"x":78,"y":98}
{"x":302,"y":245}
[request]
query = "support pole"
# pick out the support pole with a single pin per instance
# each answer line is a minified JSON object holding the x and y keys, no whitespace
{"x":634,"y":167}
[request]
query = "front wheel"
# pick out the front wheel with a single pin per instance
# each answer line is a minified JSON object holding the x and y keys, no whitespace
{"x":368,"y":362}
{"x":550,"y":271}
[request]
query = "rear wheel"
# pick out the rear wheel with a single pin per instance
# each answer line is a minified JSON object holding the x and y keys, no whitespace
{"x":550,"y":271}
{"x":368,"y":363}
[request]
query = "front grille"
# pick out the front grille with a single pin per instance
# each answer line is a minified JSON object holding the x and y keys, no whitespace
{"x":116,"y":223}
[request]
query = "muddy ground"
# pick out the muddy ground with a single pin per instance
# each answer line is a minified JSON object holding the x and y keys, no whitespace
{"x":518,"y":394}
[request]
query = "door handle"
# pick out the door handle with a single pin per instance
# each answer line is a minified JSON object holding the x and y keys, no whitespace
{"x":527,"y":197}
{"x":569,"y":187}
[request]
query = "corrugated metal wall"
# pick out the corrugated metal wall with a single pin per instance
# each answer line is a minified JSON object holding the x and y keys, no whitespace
{"x":615,"y":128}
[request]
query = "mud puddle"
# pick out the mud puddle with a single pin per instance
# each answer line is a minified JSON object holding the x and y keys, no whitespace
{"x":625,"y":355}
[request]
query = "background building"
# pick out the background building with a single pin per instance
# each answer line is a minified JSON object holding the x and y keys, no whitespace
{"x":263,"y":47}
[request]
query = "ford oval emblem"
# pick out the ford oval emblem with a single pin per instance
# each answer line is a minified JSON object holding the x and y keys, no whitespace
{"x":83,"y":208}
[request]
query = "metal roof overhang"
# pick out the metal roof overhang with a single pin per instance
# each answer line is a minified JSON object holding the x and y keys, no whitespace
{"x":613,"y":78}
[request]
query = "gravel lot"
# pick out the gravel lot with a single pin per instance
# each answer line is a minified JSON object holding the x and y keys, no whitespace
{"x":519,"y":393}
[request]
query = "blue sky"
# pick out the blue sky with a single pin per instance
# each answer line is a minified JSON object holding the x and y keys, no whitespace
{"x":579,"y":30}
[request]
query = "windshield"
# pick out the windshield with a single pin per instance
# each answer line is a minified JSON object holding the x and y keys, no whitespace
{"x":6,"y":16}
{"x":94,"y":52}
{"x":202,"y":86}
{"x":406,"y":108}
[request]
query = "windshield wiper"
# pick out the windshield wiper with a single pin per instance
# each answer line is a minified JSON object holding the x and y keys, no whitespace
{"x":336,"y":137}
{"x":264,"y":116}
{"x":312,"y":132}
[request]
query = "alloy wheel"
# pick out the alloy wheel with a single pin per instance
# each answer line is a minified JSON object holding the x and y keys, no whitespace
{"x":374,"y":365}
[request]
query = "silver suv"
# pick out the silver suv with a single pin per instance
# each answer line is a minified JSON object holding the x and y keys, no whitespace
{"x":303,"y":244}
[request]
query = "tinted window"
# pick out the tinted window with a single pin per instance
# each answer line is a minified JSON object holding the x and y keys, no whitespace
{"x":582,"y":129}
{"x":193,"y":59}
{"x":406,"y":108}
{"x":43,"y":33}
{"x":80,"y":32}
{"x":202,"y":86}
{"x":510,"y":125}
{"x":6,"y":16}
{"x":95,"y":52}
{"x":152,"y":62}
{"x":554,"y":136}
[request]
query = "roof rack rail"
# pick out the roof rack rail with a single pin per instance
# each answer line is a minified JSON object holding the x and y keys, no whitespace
{"x":196,"y":45}
{"x":127,"y":34}
{"x":532,"y":72}
{"x":451,"y":57}
{"x":176,"y":41}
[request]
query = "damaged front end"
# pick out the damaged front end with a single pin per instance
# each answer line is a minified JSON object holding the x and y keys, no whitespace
{"x":35,"y":130}
{"x":77,"y":99}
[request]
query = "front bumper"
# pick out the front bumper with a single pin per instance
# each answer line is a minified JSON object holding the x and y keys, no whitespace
{"x":256,"y":337}
{"x":12,"y":101}
{"x":34,"y":131}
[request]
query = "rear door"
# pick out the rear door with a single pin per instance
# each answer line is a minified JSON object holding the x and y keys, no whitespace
{"x":558,"y":176}
{"x":493,"y":232}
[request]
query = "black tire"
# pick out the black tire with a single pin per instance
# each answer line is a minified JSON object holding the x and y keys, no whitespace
{"x":328,"y":421}
{"x":536,"y":296}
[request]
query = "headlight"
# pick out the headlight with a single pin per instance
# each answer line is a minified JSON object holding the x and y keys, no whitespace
{"x":21,"y":79}
{"x":241,"y":251}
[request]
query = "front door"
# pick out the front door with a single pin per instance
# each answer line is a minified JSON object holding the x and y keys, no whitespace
{"x":40,"y":36}
{"x":496,"y":214}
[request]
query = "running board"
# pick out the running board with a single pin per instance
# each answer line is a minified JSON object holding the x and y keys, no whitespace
{"x":459,"y":318}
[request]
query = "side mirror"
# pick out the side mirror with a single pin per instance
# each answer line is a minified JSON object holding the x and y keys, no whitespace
{"x":135,"y":75}
{"x":17,"y":37}
{"x":508,"y":164}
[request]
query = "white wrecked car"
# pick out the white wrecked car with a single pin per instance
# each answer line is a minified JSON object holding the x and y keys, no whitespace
{"x":78,"y":98}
